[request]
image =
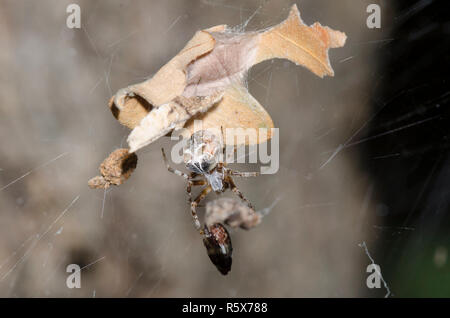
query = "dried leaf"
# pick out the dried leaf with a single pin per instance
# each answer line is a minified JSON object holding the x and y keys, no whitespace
{"x":238,"y":109}
{"x":170,"y":81}
{"x":217,"y":60}
{"x":206,"y":81}
{"x":167,"y":117}
{"x":301,"y":44}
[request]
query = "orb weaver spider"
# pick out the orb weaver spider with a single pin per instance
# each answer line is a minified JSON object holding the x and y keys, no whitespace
{"x":201,"y":156}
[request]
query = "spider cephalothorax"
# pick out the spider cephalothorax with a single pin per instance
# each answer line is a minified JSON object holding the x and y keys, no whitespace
{"x":202,"y":156}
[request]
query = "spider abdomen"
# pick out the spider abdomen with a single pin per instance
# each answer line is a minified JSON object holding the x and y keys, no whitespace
{"x":218,"y":245}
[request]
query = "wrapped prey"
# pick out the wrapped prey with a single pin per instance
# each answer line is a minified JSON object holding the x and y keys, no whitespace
{"x":231,"y":212}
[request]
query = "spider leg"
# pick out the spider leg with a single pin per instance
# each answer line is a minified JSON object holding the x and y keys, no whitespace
{"x":235,"y":189}
{"x":194,"y":205}
{"x":198,"y":182}
{"x":189,"y":191}
{"x":175,"y":171}
{"x":192,"y":175}
{"x":192,"y":183}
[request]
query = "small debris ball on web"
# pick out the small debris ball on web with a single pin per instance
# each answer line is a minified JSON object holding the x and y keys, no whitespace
{"x":115,"y":169}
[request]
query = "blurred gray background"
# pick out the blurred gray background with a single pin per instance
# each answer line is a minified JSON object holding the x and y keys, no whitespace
{"x":138,"y":240}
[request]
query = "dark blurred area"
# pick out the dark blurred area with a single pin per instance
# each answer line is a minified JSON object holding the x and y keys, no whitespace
{"x":363,"y":155}
{"x":407,"y":150}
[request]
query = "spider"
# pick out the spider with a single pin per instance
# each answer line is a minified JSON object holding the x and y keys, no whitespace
{"x":201,"y":158}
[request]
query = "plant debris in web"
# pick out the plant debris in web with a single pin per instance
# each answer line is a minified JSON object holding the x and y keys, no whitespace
{"x":115,"y":169}
{"x":207,"y":80}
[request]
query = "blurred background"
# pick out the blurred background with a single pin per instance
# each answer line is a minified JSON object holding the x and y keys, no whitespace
{"x":363,"y":156}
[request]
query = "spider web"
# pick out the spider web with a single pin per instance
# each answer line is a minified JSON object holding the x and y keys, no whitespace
{"x":137,"y":240}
